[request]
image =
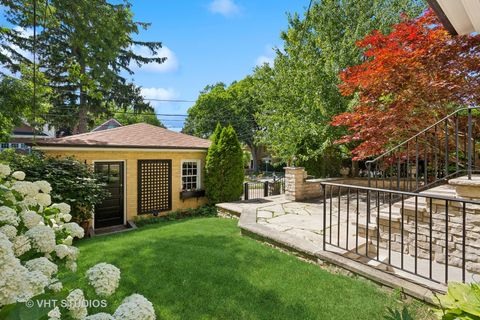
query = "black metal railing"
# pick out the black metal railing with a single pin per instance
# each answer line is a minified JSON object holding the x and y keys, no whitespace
{"x":426,"y":235}
{"x":444,"y":150}
{"x":262,"y":189}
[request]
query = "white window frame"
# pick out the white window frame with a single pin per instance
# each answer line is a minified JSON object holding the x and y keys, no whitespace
{"x":199,"y":173}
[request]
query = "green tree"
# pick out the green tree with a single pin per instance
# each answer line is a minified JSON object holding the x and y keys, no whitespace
{"x":300,"y":93}
{"x":16,"y":103}
{"x":84,"y":47}
{"x":234,"y":105}
{"x":129,"y":115}
{"x":224,"y":167}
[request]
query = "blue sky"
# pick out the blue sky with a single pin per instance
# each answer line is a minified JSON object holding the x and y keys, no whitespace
{"x":207,"y":41}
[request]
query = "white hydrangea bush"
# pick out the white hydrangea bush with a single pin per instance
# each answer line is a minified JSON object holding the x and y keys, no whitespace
{"x":31,"y":228}
{"x":36,"y":239}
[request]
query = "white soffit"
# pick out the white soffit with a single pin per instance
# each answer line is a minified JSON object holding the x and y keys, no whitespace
{"x":464,"y":15}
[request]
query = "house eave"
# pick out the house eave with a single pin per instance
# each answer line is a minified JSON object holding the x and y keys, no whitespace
{"x":117,"y":148}
{"x":459,"y":17}
{"x":442,"y":16}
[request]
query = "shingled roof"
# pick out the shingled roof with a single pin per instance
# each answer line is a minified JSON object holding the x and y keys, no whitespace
{"x":140,"y":135}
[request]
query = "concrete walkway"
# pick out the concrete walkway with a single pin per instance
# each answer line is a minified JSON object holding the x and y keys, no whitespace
{"x":298,"y":226}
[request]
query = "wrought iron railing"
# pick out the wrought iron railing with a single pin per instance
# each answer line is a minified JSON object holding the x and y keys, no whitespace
{"x":430,"y":236}
{"x":444,"y":150}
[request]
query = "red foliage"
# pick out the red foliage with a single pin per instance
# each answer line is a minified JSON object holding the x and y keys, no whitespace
{"x":409,"y":79}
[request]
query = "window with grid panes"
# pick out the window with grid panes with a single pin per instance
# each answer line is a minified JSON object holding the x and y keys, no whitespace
{"x":190,"y":175}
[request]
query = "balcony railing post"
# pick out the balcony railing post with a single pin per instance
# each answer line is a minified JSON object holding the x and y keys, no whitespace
{"x":324,"y":187}
{"x":369,"y":168}
{"x":469,"y":152}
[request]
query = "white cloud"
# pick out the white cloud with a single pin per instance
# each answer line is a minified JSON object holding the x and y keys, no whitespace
{"x":267,"y":57}
{"x":224,"y":7}
{"x":158,"y":93}
{"x":261,"y":60}
{"x":169,"y":65}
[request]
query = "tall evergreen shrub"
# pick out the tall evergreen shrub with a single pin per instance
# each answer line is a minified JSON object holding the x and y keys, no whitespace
{"x":224,"y":167}
{"x":212,"y":167}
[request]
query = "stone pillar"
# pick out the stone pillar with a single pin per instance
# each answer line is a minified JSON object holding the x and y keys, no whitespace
{"x":465,"y":188}
{"x":294,"y":181}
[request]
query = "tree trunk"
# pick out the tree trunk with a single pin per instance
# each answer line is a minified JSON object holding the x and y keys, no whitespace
{"x":254,"y":152}
{"x":82,"y":125}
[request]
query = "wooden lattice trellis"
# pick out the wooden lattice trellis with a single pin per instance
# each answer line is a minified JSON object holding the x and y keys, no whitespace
{"x":154,"y":186}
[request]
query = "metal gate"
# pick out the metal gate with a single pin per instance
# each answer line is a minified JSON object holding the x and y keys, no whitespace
{"x":154,"y":186}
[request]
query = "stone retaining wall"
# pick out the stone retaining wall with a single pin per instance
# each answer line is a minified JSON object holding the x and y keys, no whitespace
{"x":454,"y":231}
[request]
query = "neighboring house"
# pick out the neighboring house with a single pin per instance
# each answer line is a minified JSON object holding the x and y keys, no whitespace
{"x":150,"y":169}
{"x":109,"y":124}
{"x":23,"y":136}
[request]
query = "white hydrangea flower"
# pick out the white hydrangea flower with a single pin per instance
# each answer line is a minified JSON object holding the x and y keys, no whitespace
{"x":74,"y":229}
{"x":37,"y":282}
{"x":135,"y":307}
{"x":68,"y":240}
{"x":27,"y":203}
{"x":42,"y":264}
{"x":14,"y":281}
{"x":104,"y":278}
{"x":66,"y":217}
{"x":9,"y":231}
{"x":43,"y":199}
{"x":8,"y":216}
{"x":44,"y":186}
{"x":63,"y":207}
{"x":76,"y":304}
{"x":43,"y":238}
{"x":21,"y":244}
{"x":63,"y":251}
{"x":4,"y":170}
{"x":26,"y":188}
{"x":71,"y":265}
{"x":31,"y":218}
{"x":9,"y":196}
{"x":55,"y":285}
{"x":19,"y":175}
{"x":100,"y":316}
{"x":6,"y":249}
{"x":54,"y":314}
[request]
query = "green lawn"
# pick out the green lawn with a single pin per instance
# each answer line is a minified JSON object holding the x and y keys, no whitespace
{"x":204,"y":269}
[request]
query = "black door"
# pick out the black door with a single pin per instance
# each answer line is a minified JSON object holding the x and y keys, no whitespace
{"x":110,"y":211}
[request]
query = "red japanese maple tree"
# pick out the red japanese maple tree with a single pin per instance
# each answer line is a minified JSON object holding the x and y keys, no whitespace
{"x":410,"y":78}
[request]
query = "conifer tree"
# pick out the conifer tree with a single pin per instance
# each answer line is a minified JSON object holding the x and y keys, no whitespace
{"x":212,"y":166}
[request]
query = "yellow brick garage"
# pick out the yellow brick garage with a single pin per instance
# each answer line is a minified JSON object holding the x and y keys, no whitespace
{"x":142,"y":143}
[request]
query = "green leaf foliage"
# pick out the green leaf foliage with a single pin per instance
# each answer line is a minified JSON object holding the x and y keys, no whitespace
{"x":72,"y":182}
{"x":86,"y":49}
{"x":224,"y":167}
{"x":461,"y":302}
{"x":235,"y":105}
{"x":299,"y":92}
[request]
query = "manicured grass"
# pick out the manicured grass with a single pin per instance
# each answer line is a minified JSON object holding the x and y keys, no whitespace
{"x":204,"y":269}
